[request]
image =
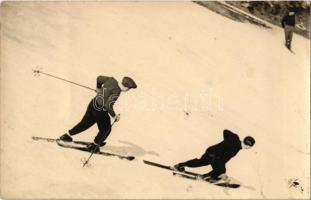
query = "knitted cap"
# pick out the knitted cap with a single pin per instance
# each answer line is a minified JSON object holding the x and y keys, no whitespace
{"x":250,"y":141}
{"x":128,"y":82}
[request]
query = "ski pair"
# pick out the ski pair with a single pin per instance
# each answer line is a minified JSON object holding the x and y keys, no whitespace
{"x":82,"y":146}
{"x":191,"y":175}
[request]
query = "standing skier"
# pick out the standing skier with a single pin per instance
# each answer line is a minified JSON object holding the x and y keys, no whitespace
{"x":218,"y":155}
{"x":101,"y":106}
{"x":288,"y":23}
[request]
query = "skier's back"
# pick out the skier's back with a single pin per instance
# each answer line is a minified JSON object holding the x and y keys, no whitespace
{"x":228,"y":148}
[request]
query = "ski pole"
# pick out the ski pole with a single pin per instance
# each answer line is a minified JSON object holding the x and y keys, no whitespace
{"x":92,"y":152}
{"x":41,"y":72}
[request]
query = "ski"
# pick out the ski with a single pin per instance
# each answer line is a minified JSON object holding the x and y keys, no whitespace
{"x":72,"y":146}
{"x":291,"y":51}
{"x":167,"y":167}
{"x":55,"y":140}
{"x":81,"y":148}
{"x":189,"y":175}
{"x":223,"y":184}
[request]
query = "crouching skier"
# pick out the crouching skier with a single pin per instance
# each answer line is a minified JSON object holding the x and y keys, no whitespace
{"x":217,"y":156}
{"x":101,"y":106}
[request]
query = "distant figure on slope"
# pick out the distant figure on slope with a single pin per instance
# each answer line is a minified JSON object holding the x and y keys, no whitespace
{"x":288,"y":23}
{"x":108,"y":91}
{"x":218,"y":155}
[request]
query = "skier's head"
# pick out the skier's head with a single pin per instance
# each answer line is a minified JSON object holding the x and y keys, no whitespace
{"x":248,"y":142}
{"x":127,"y":84}
{"x":291,"y":11}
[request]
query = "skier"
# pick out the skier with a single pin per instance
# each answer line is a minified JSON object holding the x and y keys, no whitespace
{"x":217,"y":156}
{"x":100,"y":107}
{"x":288,"y":23}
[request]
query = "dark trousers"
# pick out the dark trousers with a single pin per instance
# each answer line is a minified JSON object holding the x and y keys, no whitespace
{"x":92,"y":116}
{"x":208,"y":158}
{"x":288,"y":30}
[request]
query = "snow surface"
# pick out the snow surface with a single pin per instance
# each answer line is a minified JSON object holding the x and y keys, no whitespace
{"x":178,"y":53}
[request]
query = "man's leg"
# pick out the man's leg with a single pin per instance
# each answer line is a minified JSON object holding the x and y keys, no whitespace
{"x":203,"y":161}
{"x":290,"y":36}
{"x":218,"y":169}
{"x":104,"y":126}
{"x":287,"y":36}
{"x":86,"y":122}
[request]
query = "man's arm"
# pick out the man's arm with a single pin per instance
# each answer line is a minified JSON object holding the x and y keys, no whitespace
{"x":100,"y":81}
{"x":283,"y":22}
{"x":110,"y":103}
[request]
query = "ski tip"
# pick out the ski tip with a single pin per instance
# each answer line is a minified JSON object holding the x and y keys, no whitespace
{"x":229,"y":185}
{"x":235,"y":185}
{"x":131,"y":158}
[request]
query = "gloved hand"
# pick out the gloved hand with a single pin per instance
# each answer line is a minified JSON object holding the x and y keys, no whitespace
{"x":224,"y":177}
{"x":100,"y":90}
{"x":117,"y":117}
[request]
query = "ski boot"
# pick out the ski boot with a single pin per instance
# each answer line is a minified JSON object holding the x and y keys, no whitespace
{"x":178,"y":168}
{"x":288,"y":45}
{"x":92,"y":147}
{"x":66,"y":138}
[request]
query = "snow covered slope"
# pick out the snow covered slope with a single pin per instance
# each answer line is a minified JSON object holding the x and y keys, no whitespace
{"x":185,"y":59}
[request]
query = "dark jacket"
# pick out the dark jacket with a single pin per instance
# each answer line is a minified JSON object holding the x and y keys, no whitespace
{"x":225,"y":150}
{"x":111,"y":92}
{"x":288,"y":20}
{"x":221,"y":153}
